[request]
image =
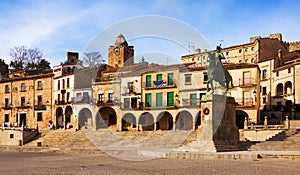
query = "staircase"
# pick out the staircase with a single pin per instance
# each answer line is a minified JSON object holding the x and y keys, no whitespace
{"x":288,"y":140}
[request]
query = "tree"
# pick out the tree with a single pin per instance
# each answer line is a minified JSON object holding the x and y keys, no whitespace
{"x":25,"y":58}
{"x":3,"y":67}
{"x":92,"y":58}
{"x":43,"y":64}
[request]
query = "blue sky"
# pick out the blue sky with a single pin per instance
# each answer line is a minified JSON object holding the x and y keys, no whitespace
{"x":59,"y":26}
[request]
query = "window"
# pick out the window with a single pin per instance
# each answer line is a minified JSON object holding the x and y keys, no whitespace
{"x":23,"y":87}
{"x":39,"y":116}
{"x":227,"y":53}
{"x":148,"y":98}
{"x":6,"y":90}
{"x":68,"y":96}
{"x":63,"y":83}
{"x":240,"y":50}
{"x":40,"y":85}
{"x":277,"y":74}
{"x":264,"y":74}
{"x":246,"y":50}
{"x":264,"y":90}
{"x":193,"y":59}
{"x":170,"y":98}
{"x":100,"y":98}
{"x":86,"y":97}
{"x":193,"y":99}
{"x":252,"y":48}
{"x":205,"y":77}
{"x":6,"y":118}
{"x":264,"y":100}
{"x":246,"y":61}
{"x":110,"y":97}
{"x":159,"y":101}
{"x":40,"y":100}
{"x":148,"y":81}
{"x":22,"y":101}
{"x":58,"y":85}
{"x":78,"y":94}
{"x":246,"y":78}
{"x":240,"y":61}
{"x":247,"y":98}
{"x":58,"y":97}
{"x":289,"y":70}
{"x":253,"y":60}
{"x":159,"y":77}
{"x":170,"y":78}
{"x":7,"y":103}
{"x":201,"y":95}
{"x":203,"y":57}
{"x":130,"y":87}
{"x":68,"y":82}
{"x":188,"y":78}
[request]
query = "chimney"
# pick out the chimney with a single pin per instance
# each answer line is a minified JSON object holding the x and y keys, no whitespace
{"x":205,"y":50}
{"x":198,"y":50}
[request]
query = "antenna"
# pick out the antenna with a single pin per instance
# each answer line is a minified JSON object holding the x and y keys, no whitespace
{"x":191,"y":47}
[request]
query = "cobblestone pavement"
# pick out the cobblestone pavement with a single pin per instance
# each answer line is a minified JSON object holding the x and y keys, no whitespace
{"x":57,"y":163}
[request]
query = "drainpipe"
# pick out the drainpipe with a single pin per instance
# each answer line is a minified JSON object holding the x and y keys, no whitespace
{"x":294,"y":95}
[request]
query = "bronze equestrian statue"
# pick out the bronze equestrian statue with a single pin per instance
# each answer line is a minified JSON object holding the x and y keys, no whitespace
{"x":216,"y":71}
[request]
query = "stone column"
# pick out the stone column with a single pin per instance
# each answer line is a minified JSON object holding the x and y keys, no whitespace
{"x":246,"y":123}
{"x":155,"y":124}
{"x":174,"y":124}
{"x":194,"y":124}
{"x":287,"y":123}
{"x":266,"y":123}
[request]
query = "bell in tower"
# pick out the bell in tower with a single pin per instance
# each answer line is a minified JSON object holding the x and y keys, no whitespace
{"x":120,"y":54}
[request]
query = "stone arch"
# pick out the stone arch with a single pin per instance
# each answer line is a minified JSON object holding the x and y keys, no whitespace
{"x":240,"y":118}
{"x":106,"y":117}
{"x":184,"y":120}
{"x":128,"y":122}
{"x":68,"y":115}
{"x":165,"y":121}
{"x":279,"y":89}
{"x":288,"y":87}
{"x":146,"y":121}
{"x":85,"y":118}
{"x":59,"y":118}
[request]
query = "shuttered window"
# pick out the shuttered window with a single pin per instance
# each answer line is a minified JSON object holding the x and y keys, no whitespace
{"x":193,"y":99}
{"x":159,"y":77}
{"x":170,"y":98}
{"x":170,"y":78}
{"x":159,"y":101}
{"x":148,"y":81}
{"x":148,"y":98}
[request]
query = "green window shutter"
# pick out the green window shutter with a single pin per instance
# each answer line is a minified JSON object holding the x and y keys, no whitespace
{"x":170,"y":78}
{"x":148,"y":81}
{"x":193,"y":99}
{"x":159,"y":101}
{"x":159,"y":77}
{"x":170,"y":98}
{"x":148,"y":100}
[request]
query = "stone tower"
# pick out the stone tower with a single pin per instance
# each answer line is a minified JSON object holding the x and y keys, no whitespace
{"x":120,"y":54}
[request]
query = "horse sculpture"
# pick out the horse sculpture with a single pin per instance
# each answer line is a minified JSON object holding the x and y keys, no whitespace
{"x":216,"y":71}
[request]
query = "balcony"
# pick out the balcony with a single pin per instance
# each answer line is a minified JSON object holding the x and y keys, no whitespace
{"x":191,"y":103}
{"x":108,"y":102}
{"x":81,"y":100}
{"x":6,"y":107}
{"x":23,"y":106}
{"x":40,"y":107}
{"x":159,"y":84}
{"x":62,"y":102}
{"x":244,"y":102}
{"x":247,"y":82}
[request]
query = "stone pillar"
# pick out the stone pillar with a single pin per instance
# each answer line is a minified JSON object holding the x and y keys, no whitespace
{"x":266,"y":123}
{"x":94,"y":118}
{"x":287,"y":123}
{"x":155,"y":124}
{"x":246,"y":123}
{"x":174,"y":124}
{"x":194,"y":124}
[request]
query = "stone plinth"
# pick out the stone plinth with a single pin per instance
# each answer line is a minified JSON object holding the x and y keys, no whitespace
{"x":218,"y":131}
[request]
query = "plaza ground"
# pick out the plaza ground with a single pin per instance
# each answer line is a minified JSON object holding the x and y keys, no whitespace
{"x":59,"y":163}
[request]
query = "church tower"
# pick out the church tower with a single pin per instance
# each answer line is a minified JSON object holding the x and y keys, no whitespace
{"x":120,"y":54}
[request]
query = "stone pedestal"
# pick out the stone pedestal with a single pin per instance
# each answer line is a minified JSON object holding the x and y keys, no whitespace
{"x":218,"y":131}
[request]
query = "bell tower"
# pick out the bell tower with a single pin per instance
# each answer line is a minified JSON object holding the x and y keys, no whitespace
{"x":120,"y":54}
